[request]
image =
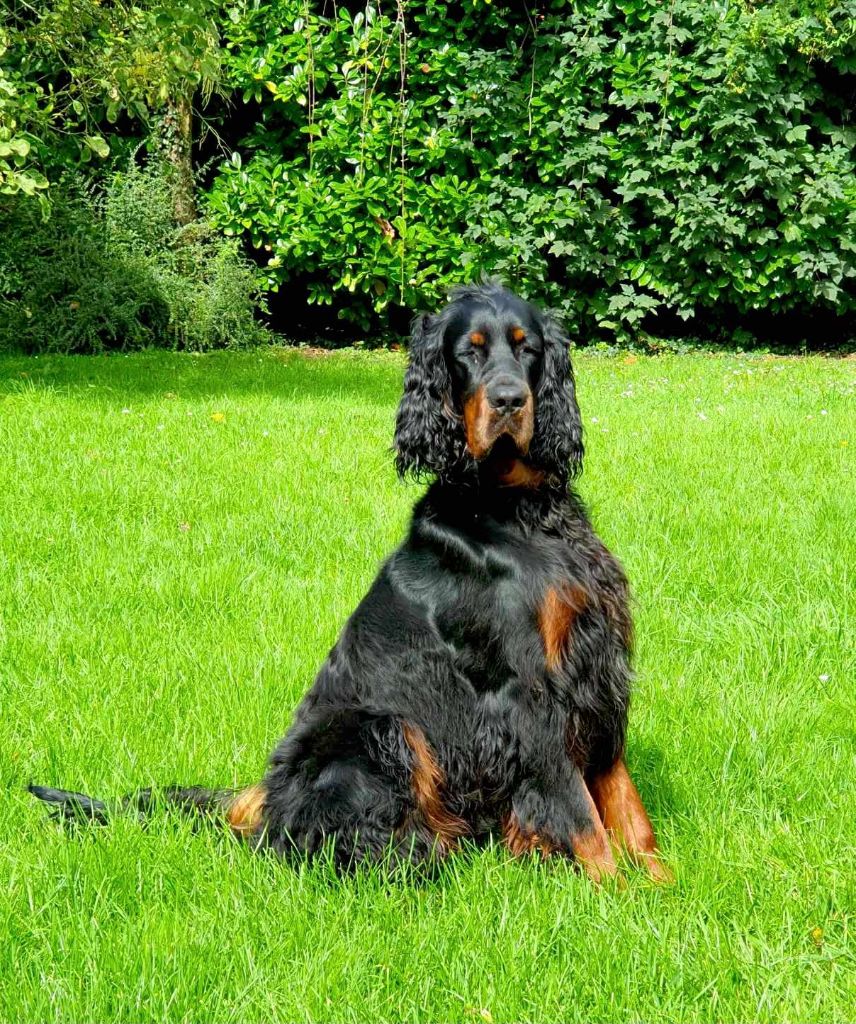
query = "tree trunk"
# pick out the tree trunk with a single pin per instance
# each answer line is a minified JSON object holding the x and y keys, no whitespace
{"x":175,"y":146}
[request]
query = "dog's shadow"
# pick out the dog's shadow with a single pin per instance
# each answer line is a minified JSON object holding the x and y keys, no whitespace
{"x":649,"y":769}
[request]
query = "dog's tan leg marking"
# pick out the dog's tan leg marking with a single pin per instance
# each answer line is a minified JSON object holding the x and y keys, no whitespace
{"x":626,"y":819}
{"x":521,"y":841}
{"x":426,"y":784}
{"x":592,"y":848}
{"x":246,"y":810}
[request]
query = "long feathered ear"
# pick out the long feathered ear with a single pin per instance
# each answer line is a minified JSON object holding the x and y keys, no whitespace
{"x":558,"y":442}
{"x":428,"y":435}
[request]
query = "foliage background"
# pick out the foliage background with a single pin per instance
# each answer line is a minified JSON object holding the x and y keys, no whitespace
{"x":110,"y":268}
{"x":681,"y":168}
{"x":618,"y":159}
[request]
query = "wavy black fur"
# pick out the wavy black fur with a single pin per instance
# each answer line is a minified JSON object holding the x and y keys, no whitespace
{"x":429,"y":438}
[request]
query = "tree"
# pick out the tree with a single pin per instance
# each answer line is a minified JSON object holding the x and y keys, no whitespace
{"x":83,"y":63}
{"x":19,"y":166}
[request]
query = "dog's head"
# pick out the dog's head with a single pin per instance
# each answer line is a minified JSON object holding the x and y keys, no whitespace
{"x":489,"y":375}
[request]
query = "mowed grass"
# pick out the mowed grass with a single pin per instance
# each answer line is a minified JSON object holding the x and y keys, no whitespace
{"x":181,"y":539}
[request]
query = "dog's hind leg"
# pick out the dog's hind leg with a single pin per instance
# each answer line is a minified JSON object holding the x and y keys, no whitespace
{"x":368,"y":787}
{"x":348,"y":810}
{"x":427,"y":781}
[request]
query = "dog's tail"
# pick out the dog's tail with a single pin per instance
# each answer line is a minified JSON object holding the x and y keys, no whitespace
{"x":243,"y":809}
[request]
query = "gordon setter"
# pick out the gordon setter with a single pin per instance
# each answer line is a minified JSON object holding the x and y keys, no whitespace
{"x":481,"y":687}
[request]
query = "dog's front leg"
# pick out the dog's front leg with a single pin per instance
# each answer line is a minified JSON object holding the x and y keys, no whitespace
{"x":624,"y":816}
{"x":559,"y":816}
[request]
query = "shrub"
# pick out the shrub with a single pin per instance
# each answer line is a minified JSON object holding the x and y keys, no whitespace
{"x":109,"y":269}
{"x":19,"y":171}
{"x":622,"y":159}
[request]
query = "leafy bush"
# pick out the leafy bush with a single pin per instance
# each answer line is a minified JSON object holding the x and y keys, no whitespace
{"x":622,"y":159}
{"x":18,"y":170}
{"x":111,"y":270}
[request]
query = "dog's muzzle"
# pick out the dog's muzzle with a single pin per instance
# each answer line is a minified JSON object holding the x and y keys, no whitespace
{"x":505,"y":408}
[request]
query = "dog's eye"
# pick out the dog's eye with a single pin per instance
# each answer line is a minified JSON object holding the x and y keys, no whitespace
{"x":518,"y":335}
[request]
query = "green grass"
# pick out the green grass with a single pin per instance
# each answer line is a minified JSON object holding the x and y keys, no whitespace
{"x":170,"y":582}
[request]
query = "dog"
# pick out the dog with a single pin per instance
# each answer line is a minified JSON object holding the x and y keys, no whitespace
{"x":481,"y":687}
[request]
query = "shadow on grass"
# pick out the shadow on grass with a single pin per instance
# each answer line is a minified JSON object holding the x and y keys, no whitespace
{"x":291,"y":374}
{"x":651,"y":774}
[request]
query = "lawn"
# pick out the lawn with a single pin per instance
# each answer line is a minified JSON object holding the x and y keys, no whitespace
{"x":181,"y":538}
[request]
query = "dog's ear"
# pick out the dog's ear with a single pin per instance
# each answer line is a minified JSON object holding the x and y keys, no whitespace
{"x":428,"y":435}
{"x":558,"y":442}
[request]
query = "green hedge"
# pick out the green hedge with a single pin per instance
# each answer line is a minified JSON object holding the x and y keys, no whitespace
{"x":620,"y":160}
{"x":109,"y":269}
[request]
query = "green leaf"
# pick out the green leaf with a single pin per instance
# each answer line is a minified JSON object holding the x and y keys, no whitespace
{"x":98,"y":145}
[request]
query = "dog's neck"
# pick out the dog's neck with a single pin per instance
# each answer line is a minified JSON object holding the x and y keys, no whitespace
{"x":516,"y":493}
{"x":508,"y":476}
{"x":513,"y":471}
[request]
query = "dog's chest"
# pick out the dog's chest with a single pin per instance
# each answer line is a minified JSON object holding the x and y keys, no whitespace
{"x":491,"y":618}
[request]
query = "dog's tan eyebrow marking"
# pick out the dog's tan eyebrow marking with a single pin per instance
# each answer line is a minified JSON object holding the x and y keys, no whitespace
{"x":518,"y":334}
{"x":477,"y":338}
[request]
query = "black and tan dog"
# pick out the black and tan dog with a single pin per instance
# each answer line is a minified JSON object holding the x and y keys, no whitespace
{"x":481,"y":687}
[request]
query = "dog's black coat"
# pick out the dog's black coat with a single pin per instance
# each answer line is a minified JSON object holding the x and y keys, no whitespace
{"x":447,"y":638}
{"x":482,"y":684}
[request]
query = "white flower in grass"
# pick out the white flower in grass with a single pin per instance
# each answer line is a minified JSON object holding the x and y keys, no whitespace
{"x":824,"y":678}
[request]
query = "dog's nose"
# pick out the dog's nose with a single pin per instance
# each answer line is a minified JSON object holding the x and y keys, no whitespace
{"x":507,"y":397}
